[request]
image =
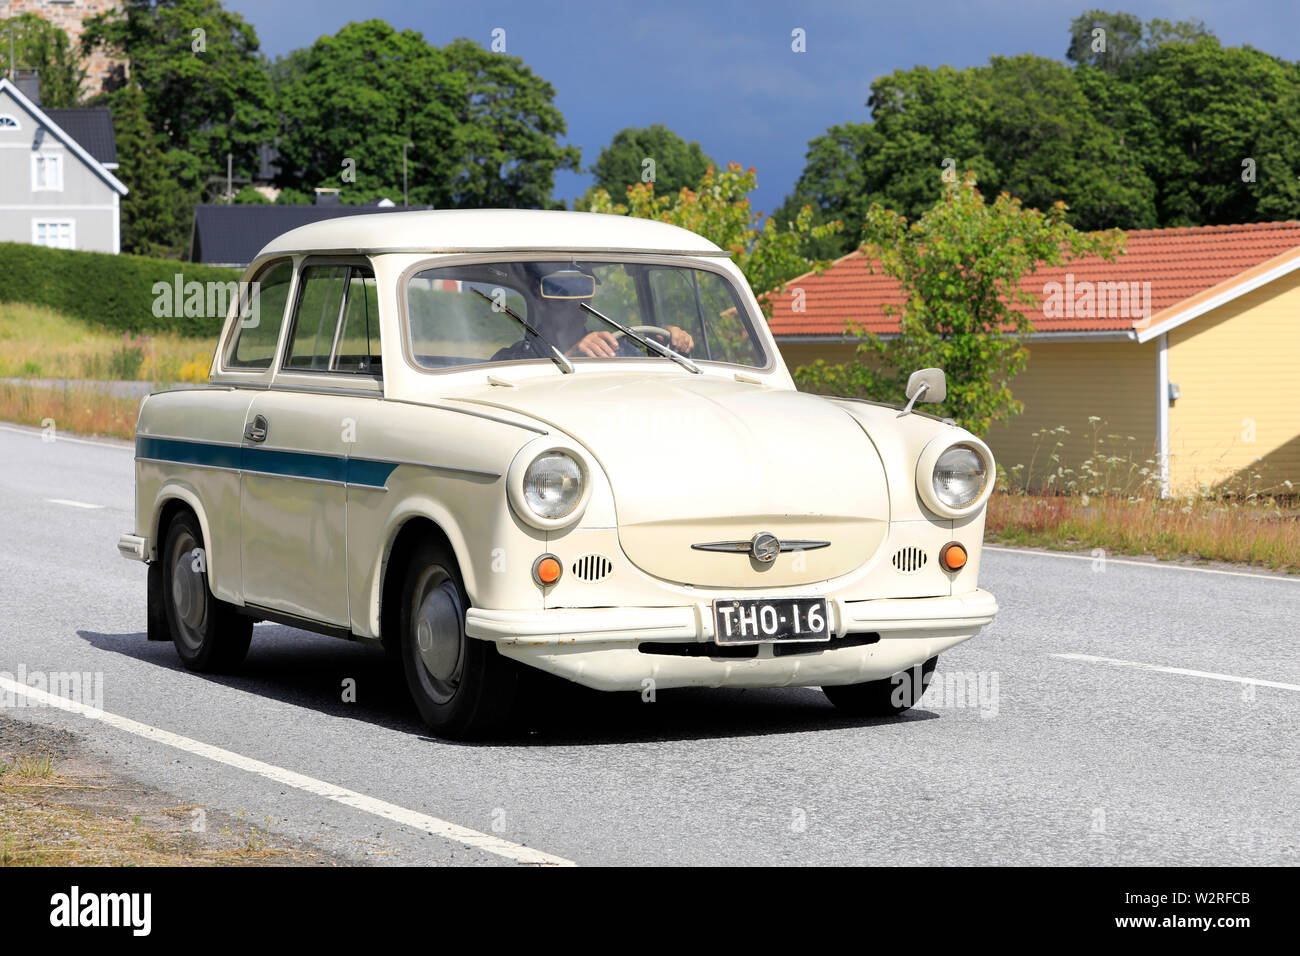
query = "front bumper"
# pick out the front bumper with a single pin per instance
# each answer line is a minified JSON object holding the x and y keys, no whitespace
{"x":601,"y":647}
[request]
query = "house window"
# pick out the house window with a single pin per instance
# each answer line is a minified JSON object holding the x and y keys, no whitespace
{"x":8,"y":122}
{"x":47,"y":172}
{"x":56,"y":233}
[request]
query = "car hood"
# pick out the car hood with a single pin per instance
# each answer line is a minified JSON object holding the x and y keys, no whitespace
{"x":699,"y":458}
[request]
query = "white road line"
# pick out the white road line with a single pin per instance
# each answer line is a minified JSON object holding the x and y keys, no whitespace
{"x":349,"y":798}
{"x":1165,"y":565}
{"x":1209,"y":675}
{"x":33,"y":431}
{"x":73,"y":504}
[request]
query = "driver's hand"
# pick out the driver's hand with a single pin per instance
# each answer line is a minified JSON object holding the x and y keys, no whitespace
{"x":596,"y":345}
{"x":681,"y":340}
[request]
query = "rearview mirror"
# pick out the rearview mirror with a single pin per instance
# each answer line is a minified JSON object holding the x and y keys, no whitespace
{"x":568,"y":284}
{"x":926,"y":385}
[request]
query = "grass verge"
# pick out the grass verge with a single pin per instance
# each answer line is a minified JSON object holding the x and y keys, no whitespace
{"x":78,"y":411}
{"x":1266,"y":536}
{"x":61,"y":806}
{"x":38,"y":342}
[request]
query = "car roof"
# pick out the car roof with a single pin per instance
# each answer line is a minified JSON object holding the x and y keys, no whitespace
{"x":491,"y":230}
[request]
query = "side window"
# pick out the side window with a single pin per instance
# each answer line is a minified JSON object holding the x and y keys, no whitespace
{"x":261,"y":314}
{"x":358,"y":349}
{"x":336,"y":323}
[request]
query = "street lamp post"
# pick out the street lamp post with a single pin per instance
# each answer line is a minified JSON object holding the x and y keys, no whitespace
{"x":405,"y":147}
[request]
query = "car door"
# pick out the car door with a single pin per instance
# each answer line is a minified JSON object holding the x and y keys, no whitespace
{"x":295,"y":448}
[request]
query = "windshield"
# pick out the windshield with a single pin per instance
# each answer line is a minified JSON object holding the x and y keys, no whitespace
{"x":462,"y":314}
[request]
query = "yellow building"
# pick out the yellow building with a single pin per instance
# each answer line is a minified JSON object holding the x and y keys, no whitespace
{"x":1183,"y":349}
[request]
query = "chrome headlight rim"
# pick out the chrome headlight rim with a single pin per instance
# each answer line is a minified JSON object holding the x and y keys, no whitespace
{"x":524,"y":459}
{"x":925,"y":466}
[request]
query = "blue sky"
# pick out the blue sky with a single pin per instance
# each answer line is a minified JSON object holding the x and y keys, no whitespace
{"x":724,"y":73}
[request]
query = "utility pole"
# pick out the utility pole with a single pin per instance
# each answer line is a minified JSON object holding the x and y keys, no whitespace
{"x":230,"y":188}
{"x":405,"y":147}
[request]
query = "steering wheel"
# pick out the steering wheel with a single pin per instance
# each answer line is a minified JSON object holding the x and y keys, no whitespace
{"x":627,"y":346}
{"x":649,"y":330}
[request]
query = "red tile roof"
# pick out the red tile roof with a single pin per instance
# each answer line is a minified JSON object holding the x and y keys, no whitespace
{"x":1178,"y":263}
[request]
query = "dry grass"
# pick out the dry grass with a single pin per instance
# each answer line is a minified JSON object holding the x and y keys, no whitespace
{"x":78,"y":411}
{"x":49,"y":819}
{"x":1208,"y":530}
{"x":1112,"y":500}
{"x":37,"y":342}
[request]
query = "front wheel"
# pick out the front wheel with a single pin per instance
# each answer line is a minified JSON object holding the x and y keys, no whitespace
{"x":887,"y":697}
{"x":210,"y":635}
{"x":462,"y":687}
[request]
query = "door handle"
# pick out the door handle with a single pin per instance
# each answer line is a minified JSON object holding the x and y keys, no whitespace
{"x":256,"y":429}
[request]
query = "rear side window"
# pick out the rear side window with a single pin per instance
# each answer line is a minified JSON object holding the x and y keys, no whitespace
{"x":336,"y":324}
{"x":261,"y":314}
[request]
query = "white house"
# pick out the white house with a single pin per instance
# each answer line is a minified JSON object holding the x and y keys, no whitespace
{"x":57,"y":187}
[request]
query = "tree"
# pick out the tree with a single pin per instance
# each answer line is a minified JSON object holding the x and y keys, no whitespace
{"x":959,"y":267}
{"x":718,"y":208}
{"x":350,"y":101}
{"x":156,"y":212}
{"x":1024,"y":124}
{"x":1115,"y":41}
{"x":1212,"y":108}
{"x":42,"y":46}
{"x":677,"y":164}
{"x":206,"y":91}
{"x":505,"y":149}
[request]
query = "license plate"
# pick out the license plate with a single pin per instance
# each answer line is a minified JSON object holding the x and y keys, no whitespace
{"x":775,"y":619}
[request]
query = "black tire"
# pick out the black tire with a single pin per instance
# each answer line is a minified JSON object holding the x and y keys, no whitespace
{"x":887,"y":697}
{"x":462,"y":687}
{"x":211,"y":636}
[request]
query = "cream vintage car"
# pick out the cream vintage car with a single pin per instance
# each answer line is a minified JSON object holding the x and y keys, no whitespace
{"x":498,"y":440}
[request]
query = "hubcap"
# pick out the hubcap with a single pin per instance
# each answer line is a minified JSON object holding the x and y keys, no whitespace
{"x":439,"y":634}
{"x":189,"y":590}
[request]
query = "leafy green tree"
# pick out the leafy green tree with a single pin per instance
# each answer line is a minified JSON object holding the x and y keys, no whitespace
{"x":1211,"y":109}
{"x":506,"y":148}
{"x":1025,"y":125}
{"x":40,"y":45}
{"x":718,"y":208}
{"x":156,"y":212}
{"x":350,"y":101}
{"x":677,"y":163}
{"x":206,"y":91}
{"x":959,"y":267}
{"x":1115,"y":41}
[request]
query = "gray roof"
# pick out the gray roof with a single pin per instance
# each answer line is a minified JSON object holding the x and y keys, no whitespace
{"x":92,"y":127}
{"x":233,"y":235}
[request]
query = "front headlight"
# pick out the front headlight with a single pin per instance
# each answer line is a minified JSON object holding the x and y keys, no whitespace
{"x":954,"y":475}
{"x":553,"y":485}
{"x":959,"y":476}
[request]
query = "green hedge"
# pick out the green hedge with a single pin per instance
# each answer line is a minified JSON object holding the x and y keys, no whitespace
{"x":113,"y":292}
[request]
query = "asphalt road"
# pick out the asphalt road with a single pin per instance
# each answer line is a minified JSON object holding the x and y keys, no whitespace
{"x":1042,"y":743}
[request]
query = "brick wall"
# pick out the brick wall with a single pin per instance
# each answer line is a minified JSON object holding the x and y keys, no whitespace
{"x":69,"y":15}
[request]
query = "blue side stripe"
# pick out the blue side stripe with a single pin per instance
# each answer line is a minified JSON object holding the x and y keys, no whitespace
{"x":291,"y":464}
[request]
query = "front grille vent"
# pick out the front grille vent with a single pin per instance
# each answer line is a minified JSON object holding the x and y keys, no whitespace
{"x":909,"y":560}
{"x":592,"y":567}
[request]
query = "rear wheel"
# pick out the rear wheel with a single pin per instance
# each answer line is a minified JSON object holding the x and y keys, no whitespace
{"x":462,"y":687}
{"x":887,"y":697}
{"x":210,"y":635}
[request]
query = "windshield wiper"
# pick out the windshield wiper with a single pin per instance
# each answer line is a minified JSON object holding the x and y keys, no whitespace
{"x":556,"y":355}
{"x":663,"y":350}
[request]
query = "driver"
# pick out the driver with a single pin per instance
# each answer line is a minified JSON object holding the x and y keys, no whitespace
{"x":566,"y":326}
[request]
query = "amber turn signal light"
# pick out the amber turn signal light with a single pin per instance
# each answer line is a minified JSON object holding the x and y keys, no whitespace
{"x":547,"y":570}
{"x":952,"y":556}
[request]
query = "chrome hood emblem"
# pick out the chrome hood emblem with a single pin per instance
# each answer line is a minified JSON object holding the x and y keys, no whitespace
{"x":763,"y":547}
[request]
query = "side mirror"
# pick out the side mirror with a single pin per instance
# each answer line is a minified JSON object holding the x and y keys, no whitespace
{"x":926,"y":385}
